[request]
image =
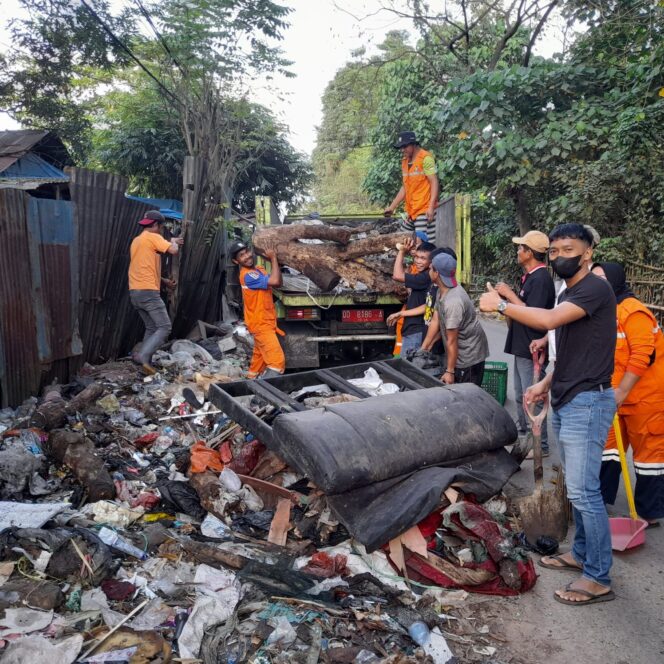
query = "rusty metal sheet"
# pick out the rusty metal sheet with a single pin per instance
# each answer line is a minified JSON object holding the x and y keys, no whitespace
{"x":54,"y":259}
{"x":20,"y":366}
{"x":107,"y":223}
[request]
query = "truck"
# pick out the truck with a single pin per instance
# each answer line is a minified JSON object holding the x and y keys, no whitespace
{"x":347,"y":326}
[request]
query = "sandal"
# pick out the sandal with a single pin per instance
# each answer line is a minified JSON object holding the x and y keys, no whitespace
{"x":563,"y":563}
{"x":593,"y":598}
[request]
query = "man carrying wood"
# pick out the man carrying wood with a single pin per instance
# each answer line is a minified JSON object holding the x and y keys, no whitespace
{"x":420,"y":186}
{"x":260,"y":316}
{"x":145,"y":284}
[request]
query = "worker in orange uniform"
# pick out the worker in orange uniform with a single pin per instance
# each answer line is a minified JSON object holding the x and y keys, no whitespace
{"x":420,"y":186}
{"x":260,"y":316}
{"x":638,"y":381}
{"x":145,"y":282}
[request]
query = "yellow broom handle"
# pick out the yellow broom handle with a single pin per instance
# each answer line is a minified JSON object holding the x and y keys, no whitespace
{"x":624,"y":468}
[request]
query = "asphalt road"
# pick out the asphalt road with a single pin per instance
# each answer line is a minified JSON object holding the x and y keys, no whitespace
{"x":628,"y":630}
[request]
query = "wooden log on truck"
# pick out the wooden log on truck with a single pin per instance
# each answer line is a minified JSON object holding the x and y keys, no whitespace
{"x":329,"y":262}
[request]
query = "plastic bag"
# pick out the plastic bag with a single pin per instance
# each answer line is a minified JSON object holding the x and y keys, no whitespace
{"x":325,"y":566}
{"x":205,"y":458}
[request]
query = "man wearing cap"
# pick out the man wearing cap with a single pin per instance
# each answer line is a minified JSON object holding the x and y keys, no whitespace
{"x":535,"y":290}
{"x":420,"y":186}
{"x":466,"y":345}
{"x":145,"y":284}
{"x":260,"y":316}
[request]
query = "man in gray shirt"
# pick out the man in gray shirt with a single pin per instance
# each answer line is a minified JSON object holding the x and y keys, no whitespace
{"x":466,"y":345}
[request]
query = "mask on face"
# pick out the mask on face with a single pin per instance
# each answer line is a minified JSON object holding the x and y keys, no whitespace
{"x":566,"y":268}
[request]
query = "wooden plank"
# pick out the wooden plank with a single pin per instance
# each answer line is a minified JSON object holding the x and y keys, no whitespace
{"x":280,"y":523}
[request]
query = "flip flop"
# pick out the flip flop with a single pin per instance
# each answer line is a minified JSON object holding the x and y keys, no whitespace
{"x":564,"y":564}
{"x":653,"y":524}
{"x":593,"y":598}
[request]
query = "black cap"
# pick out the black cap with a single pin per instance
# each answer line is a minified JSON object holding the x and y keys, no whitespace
{"x":235,"y":248}
{"x":405,"y":138}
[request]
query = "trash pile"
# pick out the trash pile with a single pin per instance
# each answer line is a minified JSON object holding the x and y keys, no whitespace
{"x":139,"y":523}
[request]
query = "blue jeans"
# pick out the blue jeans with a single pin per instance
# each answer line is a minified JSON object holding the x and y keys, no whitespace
{"x":581,"y":427}
{"x":411,"y":342}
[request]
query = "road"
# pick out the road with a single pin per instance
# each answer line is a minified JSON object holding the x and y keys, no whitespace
{"x":626,"y":631}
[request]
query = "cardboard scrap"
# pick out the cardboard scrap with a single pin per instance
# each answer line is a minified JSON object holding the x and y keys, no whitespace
{"x":280,"y":523}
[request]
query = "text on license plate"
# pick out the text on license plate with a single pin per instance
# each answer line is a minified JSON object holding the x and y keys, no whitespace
{"x":362,"y":315}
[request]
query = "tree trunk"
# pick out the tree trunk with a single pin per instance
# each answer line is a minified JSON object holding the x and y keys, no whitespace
{"x":326,"y":263}
{"x":522,"y":212}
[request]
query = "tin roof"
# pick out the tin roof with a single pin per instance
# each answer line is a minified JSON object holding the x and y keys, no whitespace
{"x":15,"y":144}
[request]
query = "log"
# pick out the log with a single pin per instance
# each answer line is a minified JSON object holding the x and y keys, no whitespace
{"x":326,"y":264}
{"x":52,"y":413}
{"x":78,"y":453}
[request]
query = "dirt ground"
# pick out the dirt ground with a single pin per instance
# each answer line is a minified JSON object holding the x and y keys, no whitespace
{"x":538,"y":629}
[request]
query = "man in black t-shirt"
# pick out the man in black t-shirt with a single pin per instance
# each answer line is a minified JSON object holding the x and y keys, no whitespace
{"x":535,"y":290}
{"x":417,"y":282}
{"x":583,"y":402}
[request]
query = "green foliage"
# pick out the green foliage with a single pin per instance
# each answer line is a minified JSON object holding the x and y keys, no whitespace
{"x":341,"y":159}
{"x":58,"y":53}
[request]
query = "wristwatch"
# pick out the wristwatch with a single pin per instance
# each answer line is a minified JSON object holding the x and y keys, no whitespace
{"x":502,"y":305}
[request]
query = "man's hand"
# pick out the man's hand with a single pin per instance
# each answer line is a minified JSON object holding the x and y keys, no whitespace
{"x":536,"y":392}
{"x":504,"y":290}
{"x":538,"y":345}
{"x":392,"y":319}
{"x":490,"y":300}
{"x":620,"y":396}
{"x":169,"y":283}
{"x":270,"y":254}
{"x":178,"y":240}
{"x":388,"y":212}
{"x":448,"y":378}
{"x":431,"y":213}
{"x":408,"y":244}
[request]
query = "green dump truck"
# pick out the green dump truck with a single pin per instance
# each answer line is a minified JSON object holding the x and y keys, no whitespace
{"x":348,"y":326}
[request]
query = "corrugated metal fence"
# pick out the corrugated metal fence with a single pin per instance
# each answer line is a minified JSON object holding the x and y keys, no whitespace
{"x":63,"y":279}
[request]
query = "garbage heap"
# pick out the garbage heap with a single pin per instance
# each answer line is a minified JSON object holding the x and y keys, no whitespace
{"x":140,"y":524}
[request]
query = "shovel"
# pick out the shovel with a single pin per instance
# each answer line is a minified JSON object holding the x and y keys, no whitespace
{"x":544,"y":512}
{"x":626,"y":533}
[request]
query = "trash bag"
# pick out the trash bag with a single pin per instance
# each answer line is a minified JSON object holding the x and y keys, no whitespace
{"x":181,"y":497}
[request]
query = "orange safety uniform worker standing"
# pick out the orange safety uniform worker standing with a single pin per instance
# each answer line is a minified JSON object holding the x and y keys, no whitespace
{"x":420,"y":186}
{"x":260,"y":316}
{"x":638,"y":381}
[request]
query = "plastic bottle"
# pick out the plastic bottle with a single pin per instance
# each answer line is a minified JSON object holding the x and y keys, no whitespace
{"x":171,"y":433}
{"x":112,"y":539}
{"x":419,"y":632}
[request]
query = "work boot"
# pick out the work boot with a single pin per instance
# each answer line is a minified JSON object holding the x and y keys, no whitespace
{"x":270,"y":373}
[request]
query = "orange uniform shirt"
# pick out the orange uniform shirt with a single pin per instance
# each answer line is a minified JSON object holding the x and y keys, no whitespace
{"x":639,"y":350}
{"x":259,"y":311}
{"x":145,"y":263}
{"x":416,"y":183}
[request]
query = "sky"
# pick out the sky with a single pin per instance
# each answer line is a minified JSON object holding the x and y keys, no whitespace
{"x":322,"y":35}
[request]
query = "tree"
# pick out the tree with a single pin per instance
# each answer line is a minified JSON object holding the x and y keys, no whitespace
{"x":59,"y":52}
{"x":141,"y":139}
{"x":350,"y":102}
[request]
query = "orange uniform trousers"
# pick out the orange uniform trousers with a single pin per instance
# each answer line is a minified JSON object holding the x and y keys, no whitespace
{"x":268,"y":353}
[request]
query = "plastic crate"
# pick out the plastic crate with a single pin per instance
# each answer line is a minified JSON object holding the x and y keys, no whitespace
{"x":494,"y":380}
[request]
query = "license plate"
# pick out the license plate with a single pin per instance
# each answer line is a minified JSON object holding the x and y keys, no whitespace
{"x":362,"y":315}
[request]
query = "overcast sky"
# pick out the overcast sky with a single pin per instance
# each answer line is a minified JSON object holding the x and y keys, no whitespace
{"x":322,"y":35}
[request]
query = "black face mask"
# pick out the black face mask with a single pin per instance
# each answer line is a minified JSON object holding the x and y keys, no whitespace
{"x":566,"y":268}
